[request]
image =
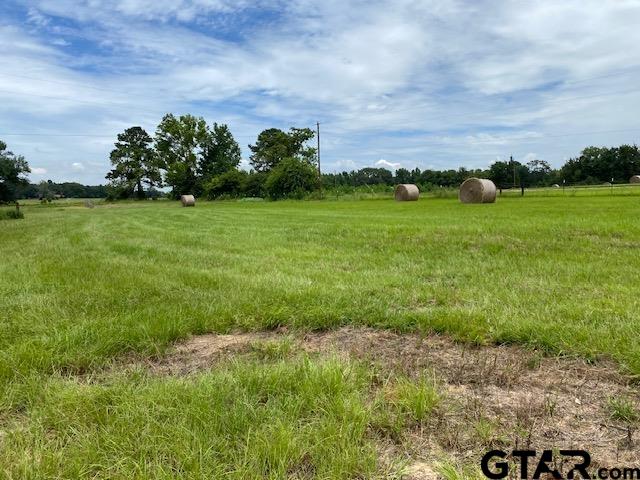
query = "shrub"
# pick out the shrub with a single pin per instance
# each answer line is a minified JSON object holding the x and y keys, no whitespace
{"x":254,"y":185}
{"x":291,"y":178}
{"x":228,"y":185}
{"x":11,"y":214}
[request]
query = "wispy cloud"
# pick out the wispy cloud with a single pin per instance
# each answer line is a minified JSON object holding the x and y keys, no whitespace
{"x":385,"y":164}
{"x":442,"y":83}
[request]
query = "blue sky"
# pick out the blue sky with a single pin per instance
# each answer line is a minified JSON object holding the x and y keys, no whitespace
{"x":428,"y":84}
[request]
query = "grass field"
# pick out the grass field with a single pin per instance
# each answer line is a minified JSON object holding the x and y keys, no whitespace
{"x":83,"y":288}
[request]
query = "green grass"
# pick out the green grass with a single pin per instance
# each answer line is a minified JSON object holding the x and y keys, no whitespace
{"x":623,"y":409}
{"x":296,"y":419}
{"x":81,"y":287}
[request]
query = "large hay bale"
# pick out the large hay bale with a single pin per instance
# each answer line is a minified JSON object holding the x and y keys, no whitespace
{"x":407,"y":192}
{"x":188,"y":200}
{"x":555,"y":185}
{"x":635,"y":179}
{"x":477,"y":190}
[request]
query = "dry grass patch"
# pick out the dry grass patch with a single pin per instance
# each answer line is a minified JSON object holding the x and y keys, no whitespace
{"x":486,"y":396}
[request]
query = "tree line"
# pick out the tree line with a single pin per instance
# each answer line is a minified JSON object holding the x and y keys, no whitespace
{"x":594,"y":165}
{"x":192,"y":157}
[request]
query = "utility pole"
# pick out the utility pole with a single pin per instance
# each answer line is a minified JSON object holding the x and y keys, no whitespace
{"x":318,"y":153}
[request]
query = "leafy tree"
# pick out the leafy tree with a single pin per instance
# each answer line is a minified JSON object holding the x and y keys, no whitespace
{"x":273,"y":146}
{"x":230,"y":183}
{"x":374,"y":176}
{"x":539,"y":172}
{"x":501,"y":173}
{"x":221,"y":153}
{"x":180,"y":144}
{"x":134,"y":162}
{"x":601,"y":164}
{"x":12,"y":170}
{"x":403,"y":176}
{"x":292,"y":177}
{"x":46,"y":190}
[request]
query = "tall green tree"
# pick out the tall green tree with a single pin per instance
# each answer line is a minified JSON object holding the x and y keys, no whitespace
{"x":134,"y":163}
{"x":274,"y":145}
{"x":181,"y":143}
{"x":502,"y":173}
{"x":13,"y":169}
{"x":221,"y":153}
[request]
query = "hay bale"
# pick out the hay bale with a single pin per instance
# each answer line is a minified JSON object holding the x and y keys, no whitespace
{"x":555,"y":185}
{"x":407,"y":192}
{"x":635,"y":179}
{"x":477,"y":190}
{"x":188,"y":200}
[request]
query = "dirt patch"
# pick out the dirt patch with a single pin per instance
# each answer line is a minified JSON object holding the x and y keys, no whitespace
{"x":504,"y":397}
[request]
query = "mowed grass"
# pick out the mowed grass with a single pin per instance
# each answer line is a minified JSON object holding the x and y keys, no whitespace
{"x":81,"y":287}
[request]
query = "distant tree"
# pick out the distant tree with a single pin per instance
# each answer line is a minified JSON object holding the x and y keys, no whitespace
{"x":291,"y":178}
{"x":501,"y":173}
{"x":180,"y":144}
{"x":46,"y":190}
{"x":373,"y":176}
{"x":134,"y":162}
{"x":12,"y":173}
{"x":273,"y":145}
{"x":403,"y":176}
{"x":221,"y":153}
{"x":627,"y":162}
{"x":539,"y":172}
{"x":601,"y":164}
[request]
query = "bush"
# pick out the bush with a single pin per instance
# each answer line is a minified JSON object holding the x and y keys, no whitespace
{"x":291,"y":178}
{"x":11,"y":214}
{"x":230,"y":184}
{"x":254,"y":186}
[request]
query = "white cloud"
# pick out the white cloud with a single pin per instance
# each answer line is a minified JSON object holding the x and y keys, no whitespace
{"x":385,"y":164}
{"x":445,"y":83}
{"x":77,"y":166}
{"x":38,"y":171}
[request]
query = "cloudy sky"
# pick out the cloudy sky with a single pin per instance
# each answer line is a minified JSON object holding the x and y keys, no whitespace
{"x":432,"y":84}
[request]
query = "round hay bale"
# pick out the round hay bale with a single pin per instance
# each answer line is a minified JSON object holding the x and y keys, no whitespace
{"x":635,"y":179}
{"x":188,"y":200}
{"x":407,"y":192}
{"x":555,"y":185}
{"x":477,"y":190}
